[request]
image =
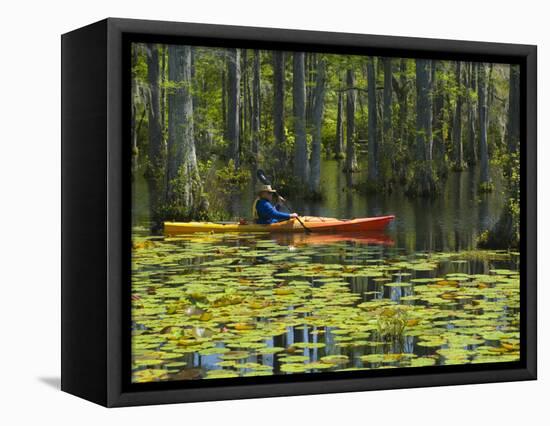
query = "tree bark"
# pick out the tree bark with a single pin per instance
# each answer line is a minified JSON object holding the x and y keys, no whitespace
{"x":299,"y":112}
{"x":279,"y":106}
{"x":310,"y":66}
{"x":388,"y":102}
{"x":438,"y":111}
{"x":423,"y":110}
{"x":317,"y":116}
{"x":483,"y":148}
{"x":513,"y":110}
{"x":351,"y":95}
{"x":256,"y":107}
{"x":224,"y":102}
{"x":402,"y":96}
{"x":163,"y":52}
{"x":155,"y":167}
{"x":423,"y":183}
{"x":183,"y":179}
{"x":234,"y":104}
{"x":372,"y":122}
{"x":339,"y":146}
{"x":457,"y":121}
{"x":471,"y":151}
{"x":133,"y":118}
{"x":246,"y":102}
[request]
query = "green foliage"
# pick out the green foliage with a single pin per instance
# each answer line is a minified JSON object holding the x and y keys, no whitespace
{"x":391,"y":323}
{"x":506,"y":233}
{"x":486,"y":187}
{"x":232,"y":180}
{"x":139,"y":66}
{"x":398,"y":167}
{"x":458,"y":167}
{"x":185,"y":200}
{"x":422,"y":180}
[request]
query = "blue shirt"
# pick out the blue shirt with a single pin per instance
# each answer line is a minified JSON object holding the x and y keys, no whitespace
{"x":268,"y":214}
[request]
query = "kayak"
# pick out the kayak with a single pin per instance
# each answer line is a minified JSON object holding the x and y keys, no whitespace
{"x":315,"y":224}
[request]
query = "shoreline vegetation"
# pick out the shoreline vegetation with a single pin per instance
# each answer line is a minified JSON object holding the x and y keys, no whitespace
{"x":204,"y":119}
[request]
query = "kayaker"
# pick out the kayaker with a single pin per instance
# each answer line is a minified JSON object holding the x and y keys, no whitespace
{"x":264,"y":211}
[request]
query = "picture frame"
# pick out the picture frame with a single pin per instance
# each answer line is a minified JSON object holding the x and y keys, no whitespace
{"x":96,"y":219}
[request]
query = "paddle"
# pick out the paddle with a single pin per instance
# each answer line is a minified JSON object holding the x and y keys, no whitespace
{"x":263,"y":178}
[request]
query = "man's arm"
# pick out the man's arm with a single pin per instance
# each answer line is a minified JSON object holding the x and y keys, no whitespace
{"x":267,"y":210}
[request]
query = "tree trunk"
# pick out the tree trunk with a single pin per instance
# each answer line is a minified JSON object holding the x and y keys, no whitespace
{"x":133,"y":118}
{"x":386,"y":157}
{"x":483,"y":148}
{"x":299,"y":112}
{"x":163,"y":52}
{"x":246,"y":103}
{"x":155,"y":166}
{"x":184,"y":184}
{"x":457,"y":122}
{"x":402,"y":98}
{"x":317,"y":116}
{"x":372,"y":123}
{"x":234,"y":104}
{"x":471,"y":150}
{"x":423,"y":183}
{"x":310,"y":66}
{"x":423,"y":110}
{"x":489,"y":99}
{"x":339,"y":146}
{"x":388,"y":102}
{"x":438,"y":112}
{"x":513,"y":110}
{"x":224,"y":102}
{"x":351,"y":160}
{"x":256,"y":107}
{"x":279,"y":106}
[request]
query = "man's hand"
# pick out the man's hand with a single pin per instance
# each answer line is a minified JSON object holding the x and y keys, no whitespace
{"x":293,"y":215}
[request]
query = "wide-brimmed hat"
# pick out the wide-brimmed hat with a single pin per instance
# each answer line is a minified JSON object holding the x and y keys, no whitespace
{"x":264,"y":188}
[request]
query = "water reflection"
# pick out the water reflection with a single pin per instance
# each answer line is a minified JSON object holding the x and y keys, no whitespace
{"x":452,"y":221}
{"x":237,"y":305}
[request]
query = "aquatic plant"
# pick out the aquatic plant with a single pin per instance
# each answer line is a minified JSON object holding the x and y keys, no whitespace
{"x":223,"y":305}
{"x":391,"y":323}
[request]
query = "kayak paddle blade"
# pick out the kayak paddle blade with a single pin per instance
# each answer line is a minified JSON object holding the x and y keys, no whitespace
{"x":262,"y":177}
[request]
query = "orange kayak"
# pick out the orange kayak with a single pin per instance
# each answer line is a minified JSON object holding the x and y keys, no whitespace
{"x":315,"y":224}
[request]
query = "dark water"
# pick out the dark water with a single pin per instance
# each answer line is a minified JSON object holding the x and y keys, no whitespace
{"x":208,"y":306}
{"x":452,"y":221}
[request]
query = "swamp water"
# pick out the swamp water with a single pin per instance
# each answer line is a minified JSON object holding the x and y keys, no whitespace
{"x":229,"y":305}
{"x":214,"y":306}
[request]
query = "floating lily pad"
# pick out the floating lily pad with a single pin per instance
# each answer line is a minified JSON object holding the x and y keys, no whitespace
{"x":335,"y":359}
{"x":234,"y":355}
{"x":221,"y":374}
{"x":221,"y":303}
{"x":294,"y":368}
{"x":422,"y":362}
{"x":294,"y":358}
{"x":303,"y":345}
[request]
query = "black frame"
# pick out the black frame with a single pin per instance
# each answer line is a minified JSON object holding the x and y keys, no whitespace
{"x":96,"y":192}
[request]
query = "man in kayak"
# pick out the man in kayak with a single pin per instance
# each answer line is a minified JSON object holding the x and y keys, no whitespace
{"x":264,"y":211}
